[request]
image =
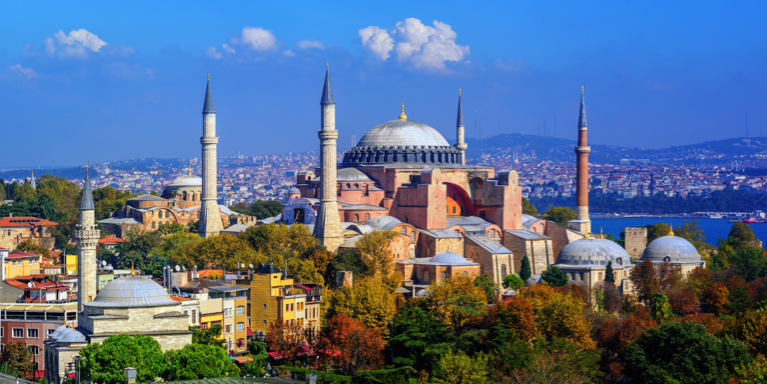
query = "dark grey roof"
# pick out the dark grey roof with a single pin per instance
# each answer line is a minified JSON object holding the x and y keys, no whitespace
{"x":527,"y":234}
{"x":459,"y":123}
{"x":208,"y":106}
{"x":440,"y":233}
{"x":228,"y":288}
{"x":488,"y":244}
{"x":327,"y":91}
{"x":582,"y":116}
{"x":86,"y":204}
{"x":147,"y":197}
{"x":8,"y":379}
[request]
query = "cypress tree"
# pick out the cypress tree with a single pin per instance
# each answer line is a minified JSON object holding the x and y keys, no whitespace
{"x":524,"y":271}
{"x":609,"y":275}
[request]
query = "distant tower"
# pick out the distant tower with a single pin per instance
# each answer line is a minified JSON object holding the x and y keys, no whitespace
{"x":327,"y":229}
{"x":582,"y":222}
{"x":33,"y":182}
{"x":87,"y":237}
{"x":210,"y":218}
{"x":459,"y":135}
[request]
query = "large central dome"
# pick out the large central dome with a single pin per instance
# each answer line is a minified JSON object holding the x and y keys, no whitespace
{"x":402,"y":133}
{"x":403,"y":143}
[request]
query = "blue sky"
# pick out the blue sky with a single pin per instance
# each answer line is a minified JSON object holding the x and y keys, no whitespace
{"x":100,"y":81}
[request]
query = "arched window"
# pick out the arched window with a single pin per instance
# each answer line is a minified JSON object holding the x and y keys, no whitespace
{"x":482,"y":214}
{"x":185,"y":196}
{"x":619,"y":261}
{"x":404,"y":231}
{"x":356,"y":217}
{"x":454,"y":210}
{"x":503,"y":270}
{"x":599,"y":276}
{"x":346,"y":217}
{"x":425,"y":276}
{"x":582,"y":279}
{"x":367,"y":216}
{"x":667,"y":258}
{"x":153,"y":225}
{"x":574,"y":276}
{"x":465,"y":274}
{"x":493,"y":234}
{"x":412,"y":236}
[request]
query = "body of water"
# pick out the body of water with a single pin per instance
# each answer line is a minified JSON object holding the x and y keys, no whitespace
{"x":713,"y":229}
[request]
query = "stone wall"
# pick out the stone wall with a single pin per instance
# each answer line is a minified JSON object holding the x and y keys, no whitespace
{"x":636,"y":241}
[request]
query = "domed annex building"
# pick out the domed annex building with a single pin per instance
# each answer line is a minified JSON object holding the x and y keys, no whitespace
{"x":585,"y":261}
{"x":675,"y":250}
{"x":404,"y":176}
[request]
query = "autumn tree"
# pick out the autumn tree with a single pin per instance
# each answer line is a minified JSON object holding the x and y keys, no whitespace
{"x":512,"y":321}
{"x":18,"y":357}
{"x":716,"y":299}
{"x":751,"y":328}
{"x":683,"y":301}
{"x":302,"y":271}
{"x":321,"y":259}
{"x":347,"y":259}
{"x":559,"y":315}
{"x":289,"y":339}
{"x":369,"y":301}
{"x":459,"y":368}
{"x":349,"y":345}
{"x":279,"y":238}
{"x":657,"y":230}
{"x":32,"y":246}
{"x":441,"y":300}
{"x":375,"y":249}
{"x":559,"y":215}
{"x":217,"y":252}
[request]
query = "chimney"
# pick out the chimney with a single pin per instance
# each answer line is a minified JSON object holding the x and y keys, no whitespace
{"x":130,"y":375}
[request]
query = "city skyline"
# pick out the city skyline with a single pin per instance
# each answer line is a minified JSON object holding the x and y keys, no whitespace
{"x":79,"y":79}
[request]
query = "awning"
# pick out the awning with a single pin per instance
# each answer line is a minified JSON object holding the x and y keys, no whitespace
{"x":249,"y":332}
{"x":277,"y":355}
{"x":243,"y":359}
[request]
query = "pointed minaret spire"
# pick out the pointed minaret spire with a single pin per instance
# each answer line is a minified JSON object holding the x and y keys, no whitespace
{"x":327,"y":90}
{"x":86,"y":204}
{"x":208,"y":106}
{"x":33,"y":182}
{"x":582,"y":116}
{"x":460,"y":144}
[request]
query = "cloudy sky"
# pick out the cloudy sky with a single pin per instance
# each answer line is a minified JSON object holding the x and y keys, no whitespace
{"x":95,"y":81}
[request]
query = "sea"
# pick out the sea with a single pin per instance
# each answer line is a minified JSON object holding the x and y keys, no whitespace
{"x":713,"y":229}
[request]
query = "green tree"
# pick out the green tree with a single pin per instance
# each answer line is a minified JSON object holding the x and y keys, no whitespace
{"x":749,"y":260}
{"x":347,"y":259}
{"x":741,"y":235}
{"x":657,"y":230}
{"x":513,"y":281}
{"x":263,"y":209}
{"x":528,"y":208}
{"x":559,"y":215}
{"x":661,"y":309}
{"x":555,"y":276}
{"x":685,"y":352}
{"x":609,"y":274}
{"x":17,"y":357}
{"x":198,"y":361}
{"x":105,"y":362}
{"x":417,"y":335}
{"x":32,"y":246}
{"x":525,"y":272}
{"x":461,"y":369}
{"x":2,"y":190}
{"x":691,"y":232}
{"x":487,"y":284}
{"x":207,"y":336}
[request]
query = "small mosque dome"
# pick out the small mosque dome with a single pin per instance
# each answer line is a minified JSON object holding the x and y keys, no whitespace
{"x":58,"y":331}
{"x":132,"y":291}
{"x":449,"y":258}
{"x":70,"y":335}
{"x":294,"y":191}
{"x":673,"y":249}
{"x":187,"y":181}
{"x":589,"y":251}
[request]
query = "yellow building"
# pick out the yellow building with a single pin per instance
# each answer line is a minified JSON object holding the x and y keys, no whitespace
{"x":235,"y":320}
{"x":21,"y":264}
{"x":71,"y":262}
{"x":212,"y":314}
{"x":274,"y":297}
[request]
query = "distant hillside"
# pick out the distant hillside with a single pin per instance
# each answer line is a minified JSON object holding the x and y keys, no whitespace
{"x":558,"y":149}
{"x":66,"y":173}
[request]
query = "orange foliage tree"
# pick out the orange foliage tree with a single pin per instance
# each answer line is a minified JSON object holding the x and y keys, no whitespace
{"x":513,"y":321}
{"x":289,"y":339}
{"x":559,"y":315}
{"x":751,"y":328}
{"x":683,"y":301}
{"x":715,"y":299}
{"x":348,"y":345}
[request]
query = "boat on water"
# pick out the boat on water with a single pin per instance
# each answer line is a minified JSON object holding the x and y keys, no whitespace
{"x":715,"y":216}
{"x":754,"y":220}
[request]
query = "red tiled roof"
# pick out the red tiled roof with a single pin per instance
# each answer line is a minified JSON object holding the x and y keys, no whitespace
{"x":22,"y":254}
{"x":178,"y":298}
{"x":25,"y":221}
{"x":16,"y":283}
{"x":110,"y":240}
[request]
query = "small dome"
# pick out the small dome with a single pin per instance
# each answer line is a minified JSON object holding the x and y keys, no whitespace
{"x":187,"y":181}
{"x":132,"y":291}
{"x":58,"y":331}
{"x":294,"y":191}
{"x":671,"y":248}
{"x":592,"y":252}
{"x":402,"y":133}
{"x":70,"y":335}
{"x":449,"y":258}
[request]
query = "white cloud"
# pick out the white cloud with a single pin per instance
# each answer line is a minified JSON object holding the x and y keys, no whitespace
{"x":307,"y":44}
{"x":76,"y":44}
{"x":289,"y":53}
{"x":29,"y":73}
{"x":211,"y":52}
{"x":259,"y":39}
{"x":377,"y":40}
{"x":228,"y":49}
{"x":422,"y":45}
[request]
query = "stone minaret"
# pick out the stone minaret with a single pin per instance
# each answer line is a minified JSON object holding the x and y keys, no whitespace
{"x":459,"y":136}
{"x":210,"y":217}
{"x":582,"y":223}
{"x":87,"y":237}
{"x":327,"y":228}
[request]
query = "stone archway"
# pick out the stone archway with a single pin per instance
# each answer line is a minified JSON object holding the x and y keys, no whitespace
{"x":458,"y":201}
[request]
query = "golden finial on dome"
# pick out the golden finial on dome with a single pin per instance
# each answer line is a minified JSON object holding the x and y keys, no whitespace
{"x":190,"y":167}
{"x":586,"y":236}
{"x":402,"y":115}
{"x":671,"y":230}
{"x":601,"y":234}
{"x":132,"y":273}
{"x":208,"y":75}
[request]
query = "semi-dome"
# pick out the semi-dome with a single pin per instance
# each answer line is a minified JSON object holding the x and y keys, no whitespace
{"x":402,"y":132}
{"x":671,"y":248}
{"x":186,"y":181}
{"x":402,"y":141}
{"x":592,"y":252}
{"x":132,"y":291}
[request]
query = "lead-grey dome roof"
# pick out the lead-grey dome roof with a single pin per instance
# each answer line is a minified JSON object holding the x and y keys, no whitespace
{"x":70,"y":335}
{"x":448,"y":258}
{"x":132,"y":291}
{"x":592,"y":252}
{"x":401,"y":133}
{"x":187,"y":181}
{"x":676,"y":249}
